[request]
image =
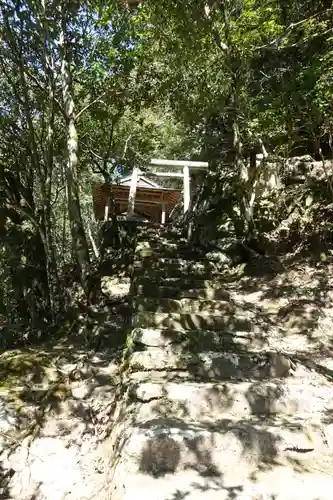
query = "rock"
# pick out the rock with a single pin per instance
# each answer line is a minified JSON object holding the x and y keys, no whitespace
{"x":148,"y":391}
{"x":9,"y":422}
{"x":112,"y":288}
{"x":219,"y":257}
{"x":80,"y":390}
{"x":107,"y":285}
{"x":8,"y":418}
{"x":280,"y":365}
{"x":50,"y":471}
{"x":234,"y":250}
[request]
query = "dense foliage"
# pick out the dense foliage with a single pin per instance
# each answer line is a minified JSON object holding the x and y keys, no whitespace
{"x":86,"y":87}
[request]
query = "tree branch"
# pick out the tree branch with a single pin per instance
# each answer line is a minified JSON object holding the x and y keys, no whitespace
{"x":91,"y":103}
{"x":126,"y":145}
{"x":42,"y":87}
{"x":294,"y":25}
{"x":59,"y":190}
{"x":216,"y":35}
{"x":89,"y":150}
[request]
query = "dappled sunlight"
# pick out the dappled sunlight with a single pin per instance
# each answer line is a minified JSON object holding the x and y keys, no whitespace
{"x":171,"y":305}
{"x":199,"y":392}
{"x":294,"y":309}
{"x":214,"y":406}
{"x":180,"y":445}
{"x":166,"y":250}
{"x":60,"y":396}
{"x":187,"y":321}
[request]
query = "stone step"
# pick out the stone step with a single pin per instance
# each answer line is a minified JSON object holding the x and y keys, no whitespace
{"x":173,"y":251}
{"x":207,"y":417}
{"x":172,"y":262}
{"x":193,"y":321}
{"x":248,"y":459}
{"x":183,"y":306}
{"x":180,"y":283}
{"x":162,"y":244}
{"x":206,"y":402}
{"x":211,"y":365}
{"x":155,"y":290}
{"x":191,"y":270}
{"x":157,"y":253}
{"x":151,"y":235}
{"x":198,"y":340}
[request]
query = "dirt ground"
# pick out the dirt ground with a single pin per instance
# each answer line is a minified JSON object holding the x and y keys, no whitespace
{"x":55,"y":405}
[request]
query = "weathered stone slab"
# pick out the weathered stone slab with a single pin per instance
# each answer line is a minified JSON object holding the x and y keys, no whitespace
{"x":196,"y":340}
{"x":158,"y":254}
{"x":208,"y":402}
{"x":253,"y":459}
{"x":194,"y":271}
{"x":214,"y":365}
{"x":156,"y":290}
{"x":161,"y":245}
{"x":193,"y":321}
{"x":185,"y":305}
{"x":162,"y":263}
{"x":181,"y":283}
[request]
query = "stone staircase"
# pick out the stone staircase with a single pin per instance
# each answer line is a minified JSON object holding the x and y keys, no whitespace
{"x":207,"y":411}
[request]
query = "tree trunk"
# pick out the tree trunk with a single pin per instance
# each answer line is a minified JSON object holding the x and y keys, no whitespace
{"x":79,"y":240}
{"x":236,"y":69}
{"x":46,"y":179}
{"x":27,"y":255}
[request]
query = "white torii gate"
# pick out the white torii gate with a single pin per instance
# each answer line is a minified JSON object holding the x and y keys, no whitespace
{"x":185,"y":175}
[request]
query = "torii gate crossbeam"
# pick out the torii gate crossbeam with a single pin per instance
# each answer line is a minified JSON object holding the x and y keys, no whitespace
{"x":186,"y":165}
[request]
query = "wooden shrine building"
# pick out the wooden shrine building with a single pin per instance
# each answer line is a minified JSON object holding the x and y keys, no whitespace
{"x":137,"y":196}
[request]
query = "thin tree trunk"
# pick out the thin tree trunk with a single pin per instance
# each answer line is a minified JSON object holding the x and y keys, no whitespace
{"x":323,"y":162}
{"x":64,"y":220}
{"x":79,"y":240}
{"x":235,"y":66}
{"x":93,"y":243}
{"x":51,"y":262}
{"x":42,"y":171}
{"x":327,"y":176}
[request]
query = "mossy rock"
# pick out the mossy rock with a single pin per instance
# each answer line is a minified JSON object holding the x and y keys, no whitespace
{"x":19,"y":367}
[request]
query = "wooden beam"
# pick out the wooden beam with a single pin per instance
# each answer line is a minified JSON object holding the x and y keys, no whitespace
{"x":138,"y":199}
{"x":143,"y":202}
{"x":179,"y":163}
{"x":166,"y":174}
{"x":187,"y":197}
{"x":107,"y":209}
{"x":116,"y":188}
{"x":163,"y":214}
{"x":132,"y":192}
